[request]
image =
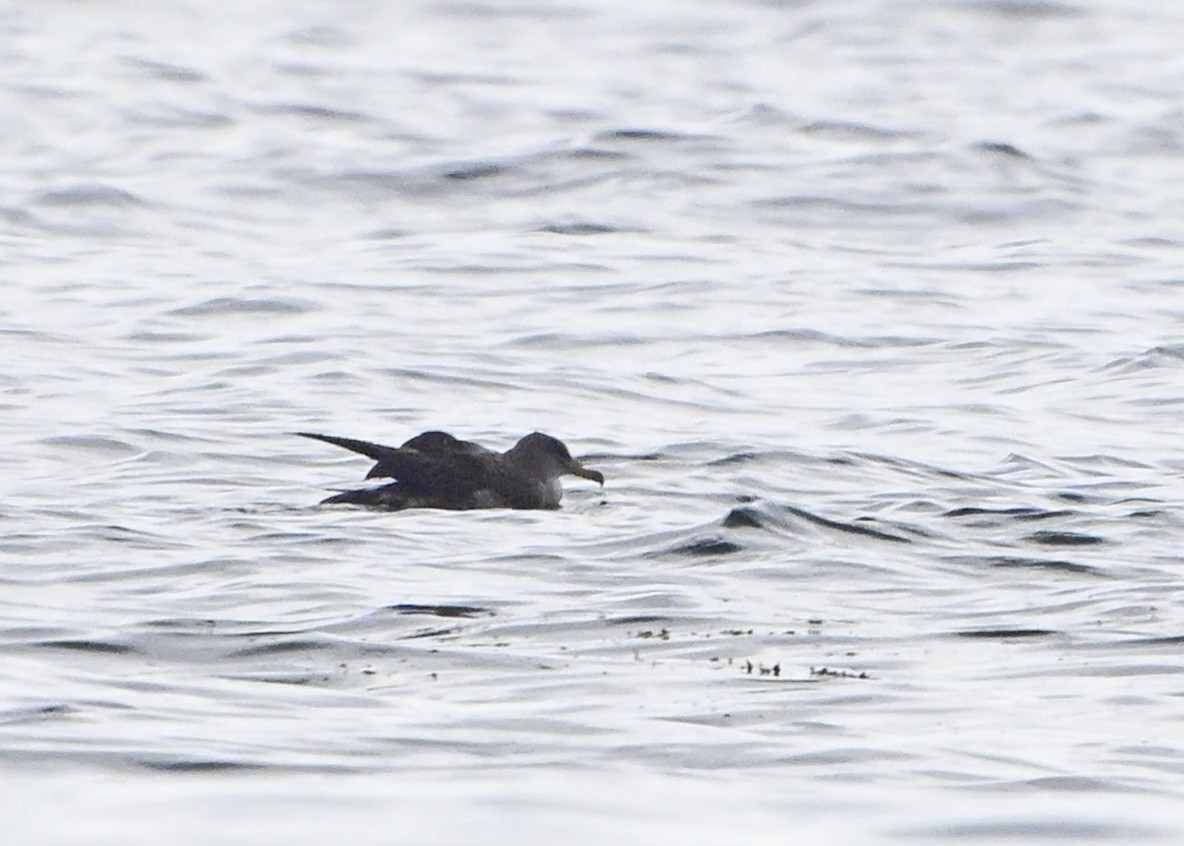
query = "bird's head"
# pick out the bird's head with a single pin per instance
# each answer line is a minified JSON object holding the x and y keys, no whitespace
{"x":550,"y":457}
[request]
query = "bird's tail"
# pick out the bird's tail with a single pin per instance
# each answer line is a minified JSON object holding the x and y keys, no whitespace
{"x":386,"y":497}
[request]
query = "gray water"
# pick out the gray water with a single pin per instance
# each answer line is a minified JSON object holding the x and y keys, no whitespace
{"x":869,"y":312}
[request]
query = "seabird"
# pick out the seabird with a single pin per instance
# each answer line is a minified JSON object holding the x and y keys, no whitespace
{"x":436,"y":470}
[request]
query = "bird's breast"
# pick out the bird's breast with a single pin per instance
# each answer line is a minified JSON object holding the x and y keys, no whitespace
{"x":550,"y":493}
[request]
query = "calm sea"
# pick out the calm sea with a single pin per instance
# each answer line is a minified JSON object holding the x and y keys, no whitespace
{"x":871,"y":313}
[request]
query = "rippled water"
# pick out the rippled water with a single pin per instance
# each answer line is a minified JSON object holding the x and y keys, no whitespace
{"x":869,"y":312}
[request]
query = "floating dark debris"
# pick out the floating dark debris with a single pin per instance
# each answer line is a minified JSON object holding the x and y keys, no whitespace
{"x":661,"y":634}
{"x":837,"y":674}
{"x":430,"y":633}
{"x":638,"y":619}
{"x":761,"y":669}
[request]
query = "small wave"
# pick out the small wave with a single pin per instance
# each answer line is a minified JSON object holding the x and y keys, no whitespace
{"x":847,"y":528}
{"x":705,"y":547}
{"x":1024,"y":563}
{"x":743,"y":517}
{"x":168,"y":71}
{"x":198,"y":766}
{"x":1004,"y":634}
{"x":1026,"y":9}
{"x":35,"y":714}
{"x":92,"y":194}
{"x":441,"y":610}
{"x":104,"y":647}
{"x":649,"y":135}
{"x":1002,"y":149}
{"x":96,"y":443}
{"x":476,"y":170}
{"x":1018,"y":513}
{"x":582,"y":228}
{"x":842,"y":130}
{"x":221,"y":306}
{"x":281,"y":648}
{"x":1052,"y":538}
{"x":315,"y":112}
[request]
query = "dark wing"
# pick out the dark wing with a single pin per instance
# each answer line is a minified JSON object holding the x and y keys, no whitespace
{"x":439,"y":442}
{"x":447,"y":467}
{"x":432,"y":464}
{"x":378,"y":452}
{"x":397,"y":463}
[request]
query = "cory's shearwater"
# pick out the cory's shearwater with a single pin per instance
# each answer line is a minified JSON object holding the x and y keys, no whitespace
{"x":436,"y":470}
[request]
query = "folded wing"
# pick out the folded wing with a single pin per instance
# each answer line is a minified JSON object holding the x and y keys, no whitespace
{"x":431,"y":464}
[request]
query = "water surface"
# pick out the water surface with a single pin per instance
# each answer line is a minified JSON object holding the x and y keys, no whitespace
{"x":869,"y":314}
